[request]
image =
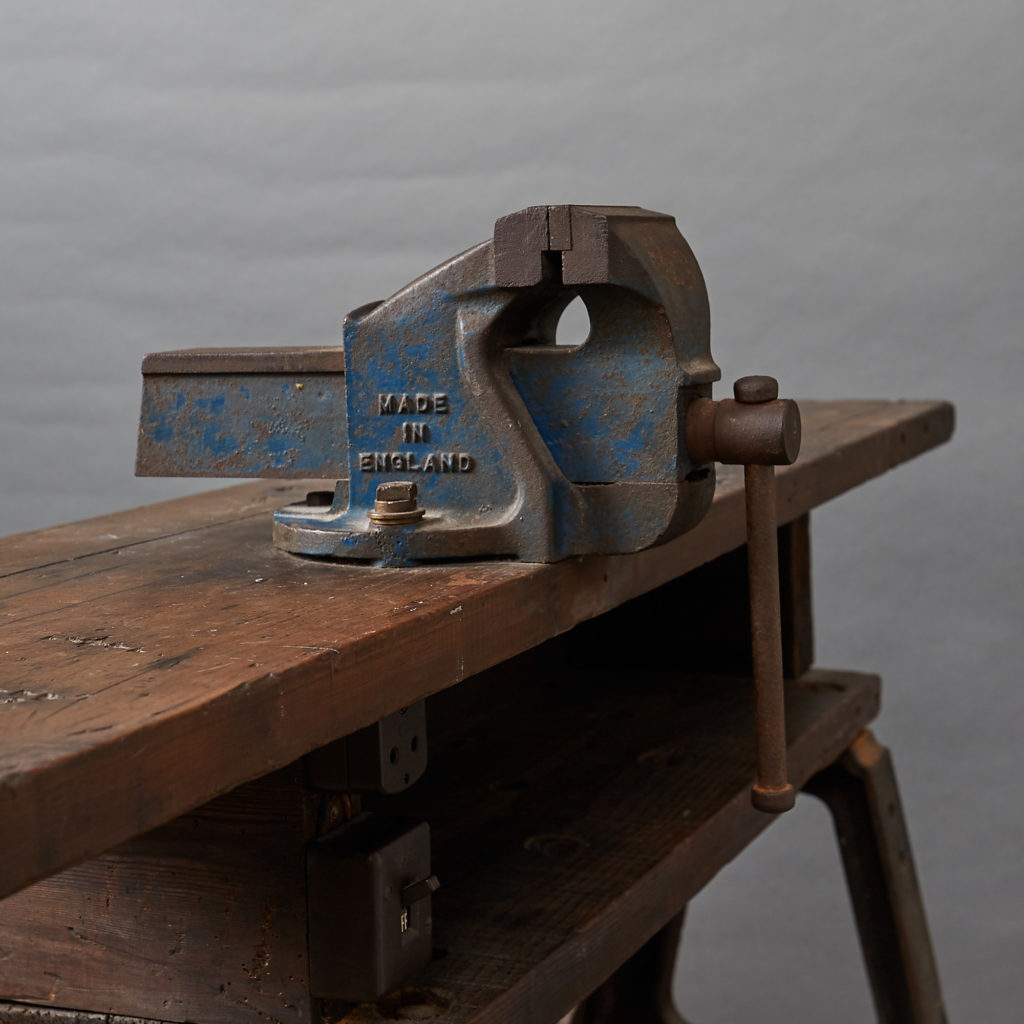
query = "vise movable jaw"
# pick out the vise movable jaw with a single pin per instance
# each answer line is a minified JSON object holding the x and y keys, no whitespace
{"x":490,"y":439}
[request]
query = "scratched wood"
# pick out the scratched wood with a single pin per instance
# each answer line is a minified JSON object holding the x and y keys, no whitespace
{"x":202,"y":919}
{"x":564,"y":841}
{"x":141,"y":678}
{"x":119,"y":530}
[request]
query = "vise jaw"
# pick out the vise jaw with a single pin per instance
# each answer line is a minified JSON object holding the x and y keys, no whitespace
{"x":451,"y":402}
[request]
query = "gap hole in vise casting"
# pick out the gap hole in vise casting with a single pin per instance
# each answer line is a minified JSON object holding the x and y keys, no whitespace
{"x":574,"y":324}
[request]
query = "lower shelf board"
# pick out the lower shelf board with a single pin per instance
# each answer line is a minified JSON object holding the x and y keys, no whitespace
{"x":572,"y":816}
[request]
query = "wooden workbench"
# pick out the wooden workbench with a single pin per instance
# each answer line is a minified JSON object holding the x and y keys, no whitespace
{"x":157,"y":659}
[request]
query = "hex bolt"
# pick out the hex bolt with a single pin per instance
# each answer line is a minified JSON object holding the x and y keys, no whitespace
{"x":395,"y":504}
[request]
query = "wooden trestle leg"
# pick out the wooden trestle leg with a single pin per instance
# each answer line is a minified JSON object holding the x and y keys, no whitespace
{"x":640,"y":991}
{"x":861,"y":793}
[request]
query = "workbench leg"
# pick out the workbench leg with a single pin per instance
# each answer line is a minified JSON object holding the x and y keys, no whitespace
{"x":861,"y":793}
{"x":640,"y":991}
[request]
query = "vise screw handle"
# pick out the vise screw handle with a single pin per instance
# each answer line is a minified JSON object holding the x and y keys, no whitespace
{"x":758,"y":431}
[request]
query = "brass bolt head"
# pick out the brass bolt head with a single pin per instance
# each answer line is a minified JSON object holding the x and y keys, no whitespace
{"x":396,"y":503}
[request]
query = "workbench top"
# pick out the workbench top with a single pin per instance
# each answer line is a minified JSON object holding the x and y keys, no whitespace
{"x":153,"y":659}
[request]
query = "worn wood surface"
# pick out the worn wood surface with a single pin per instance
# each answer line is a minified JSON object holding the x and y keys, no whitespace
{"x":16,"y":1013}
{"x":201,"y":919}
{"x":573,"y":816}
{"x":702,"y":619}
{"x":157,"y":658}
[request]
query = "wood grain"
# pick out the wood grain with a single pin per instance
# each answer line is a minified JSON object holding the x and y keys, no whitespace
{"x":143,"y":679}
{"x":565,"y":840}
{"x":201,"y":919}
{"x":572,"y":814}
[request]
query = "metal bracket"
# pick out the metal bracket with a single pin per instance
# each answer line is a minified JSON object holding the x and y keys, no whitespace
{"x":386,"y":757}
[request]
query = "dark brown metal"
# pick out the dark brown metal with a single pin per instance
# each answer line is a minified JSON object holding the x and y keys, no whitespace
{"x":772,"y":792}
{"x":758,"y":431}
{"x":736,"y":433}
{"x":755,"y":389}
{"x":861,"y":792}
{"x":419,"y":890}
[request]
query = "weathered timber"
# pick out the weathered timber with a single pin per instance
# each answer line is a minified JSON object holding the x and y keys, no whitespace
{"x":706,"y":613}
{"x":201,"y":919}
{"x":574,"y":817}
{"x":202,"y":658}
{"x":861,"y":792}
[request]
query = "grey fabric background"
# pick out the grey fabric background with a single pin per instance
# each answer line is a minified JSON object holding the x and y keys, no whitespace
{"x":849,"y":176}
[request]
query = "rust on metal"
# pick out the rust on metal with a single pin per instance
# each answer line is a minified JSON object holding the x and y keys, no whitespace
{"x":395,"y":503}
{"x":759,"y":431}
{"x":737,"y":432}
{"x":520,"y":447}
{"x":308,"y":359}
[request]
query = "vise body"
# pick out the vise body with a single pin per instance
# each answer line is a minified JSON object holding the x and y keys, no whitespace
{"x":450,"y":423}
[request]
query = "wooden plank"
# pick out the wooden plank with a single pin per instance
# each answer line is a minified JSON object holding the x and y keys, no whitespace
{"x":15,"y":1013}
{"x":119,"y":530}
{"x":565,"y":840}
{"x":795,"y":597}
{"x":202,"y":919}
{"x":706,"y":612}
{"x":141,"y":681}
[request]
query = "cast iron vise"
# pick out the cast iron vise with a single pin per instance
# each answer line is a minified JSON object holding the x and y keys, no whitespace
{"x":452,"y":426}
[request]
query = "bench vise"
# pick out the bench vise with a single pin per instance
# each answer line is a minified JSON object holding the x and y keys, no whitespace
{"x":498,"y":442}
{"x":451,"y":425}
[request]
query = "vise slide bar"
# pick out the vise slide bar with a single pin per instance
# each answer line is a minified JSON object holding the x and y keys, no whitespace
{"x":490,"y":439}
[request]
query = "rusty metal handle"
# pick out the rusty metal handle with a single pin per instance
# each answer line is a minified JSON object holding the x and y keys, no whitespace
{"x":758,"y":431}
{"x":772,"y":792}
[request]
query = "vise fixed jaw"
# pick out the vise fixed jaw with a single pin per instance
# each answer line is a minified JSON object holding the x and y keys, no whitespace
{"x":505,"y":443}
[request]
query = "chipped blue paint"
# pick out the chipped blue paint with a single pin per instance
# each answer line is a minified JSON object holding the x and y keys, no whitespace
{"x":215,"y":425}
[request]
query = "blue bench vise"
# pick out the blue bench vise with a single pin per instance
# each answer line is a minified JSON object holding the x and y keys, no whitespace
{"x":491,"y":440}
{"x":451,"y":425}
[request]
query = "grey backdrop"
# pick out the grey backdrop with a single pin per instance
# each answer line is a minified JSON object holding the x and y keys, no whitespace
{"x":849,"y":176}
